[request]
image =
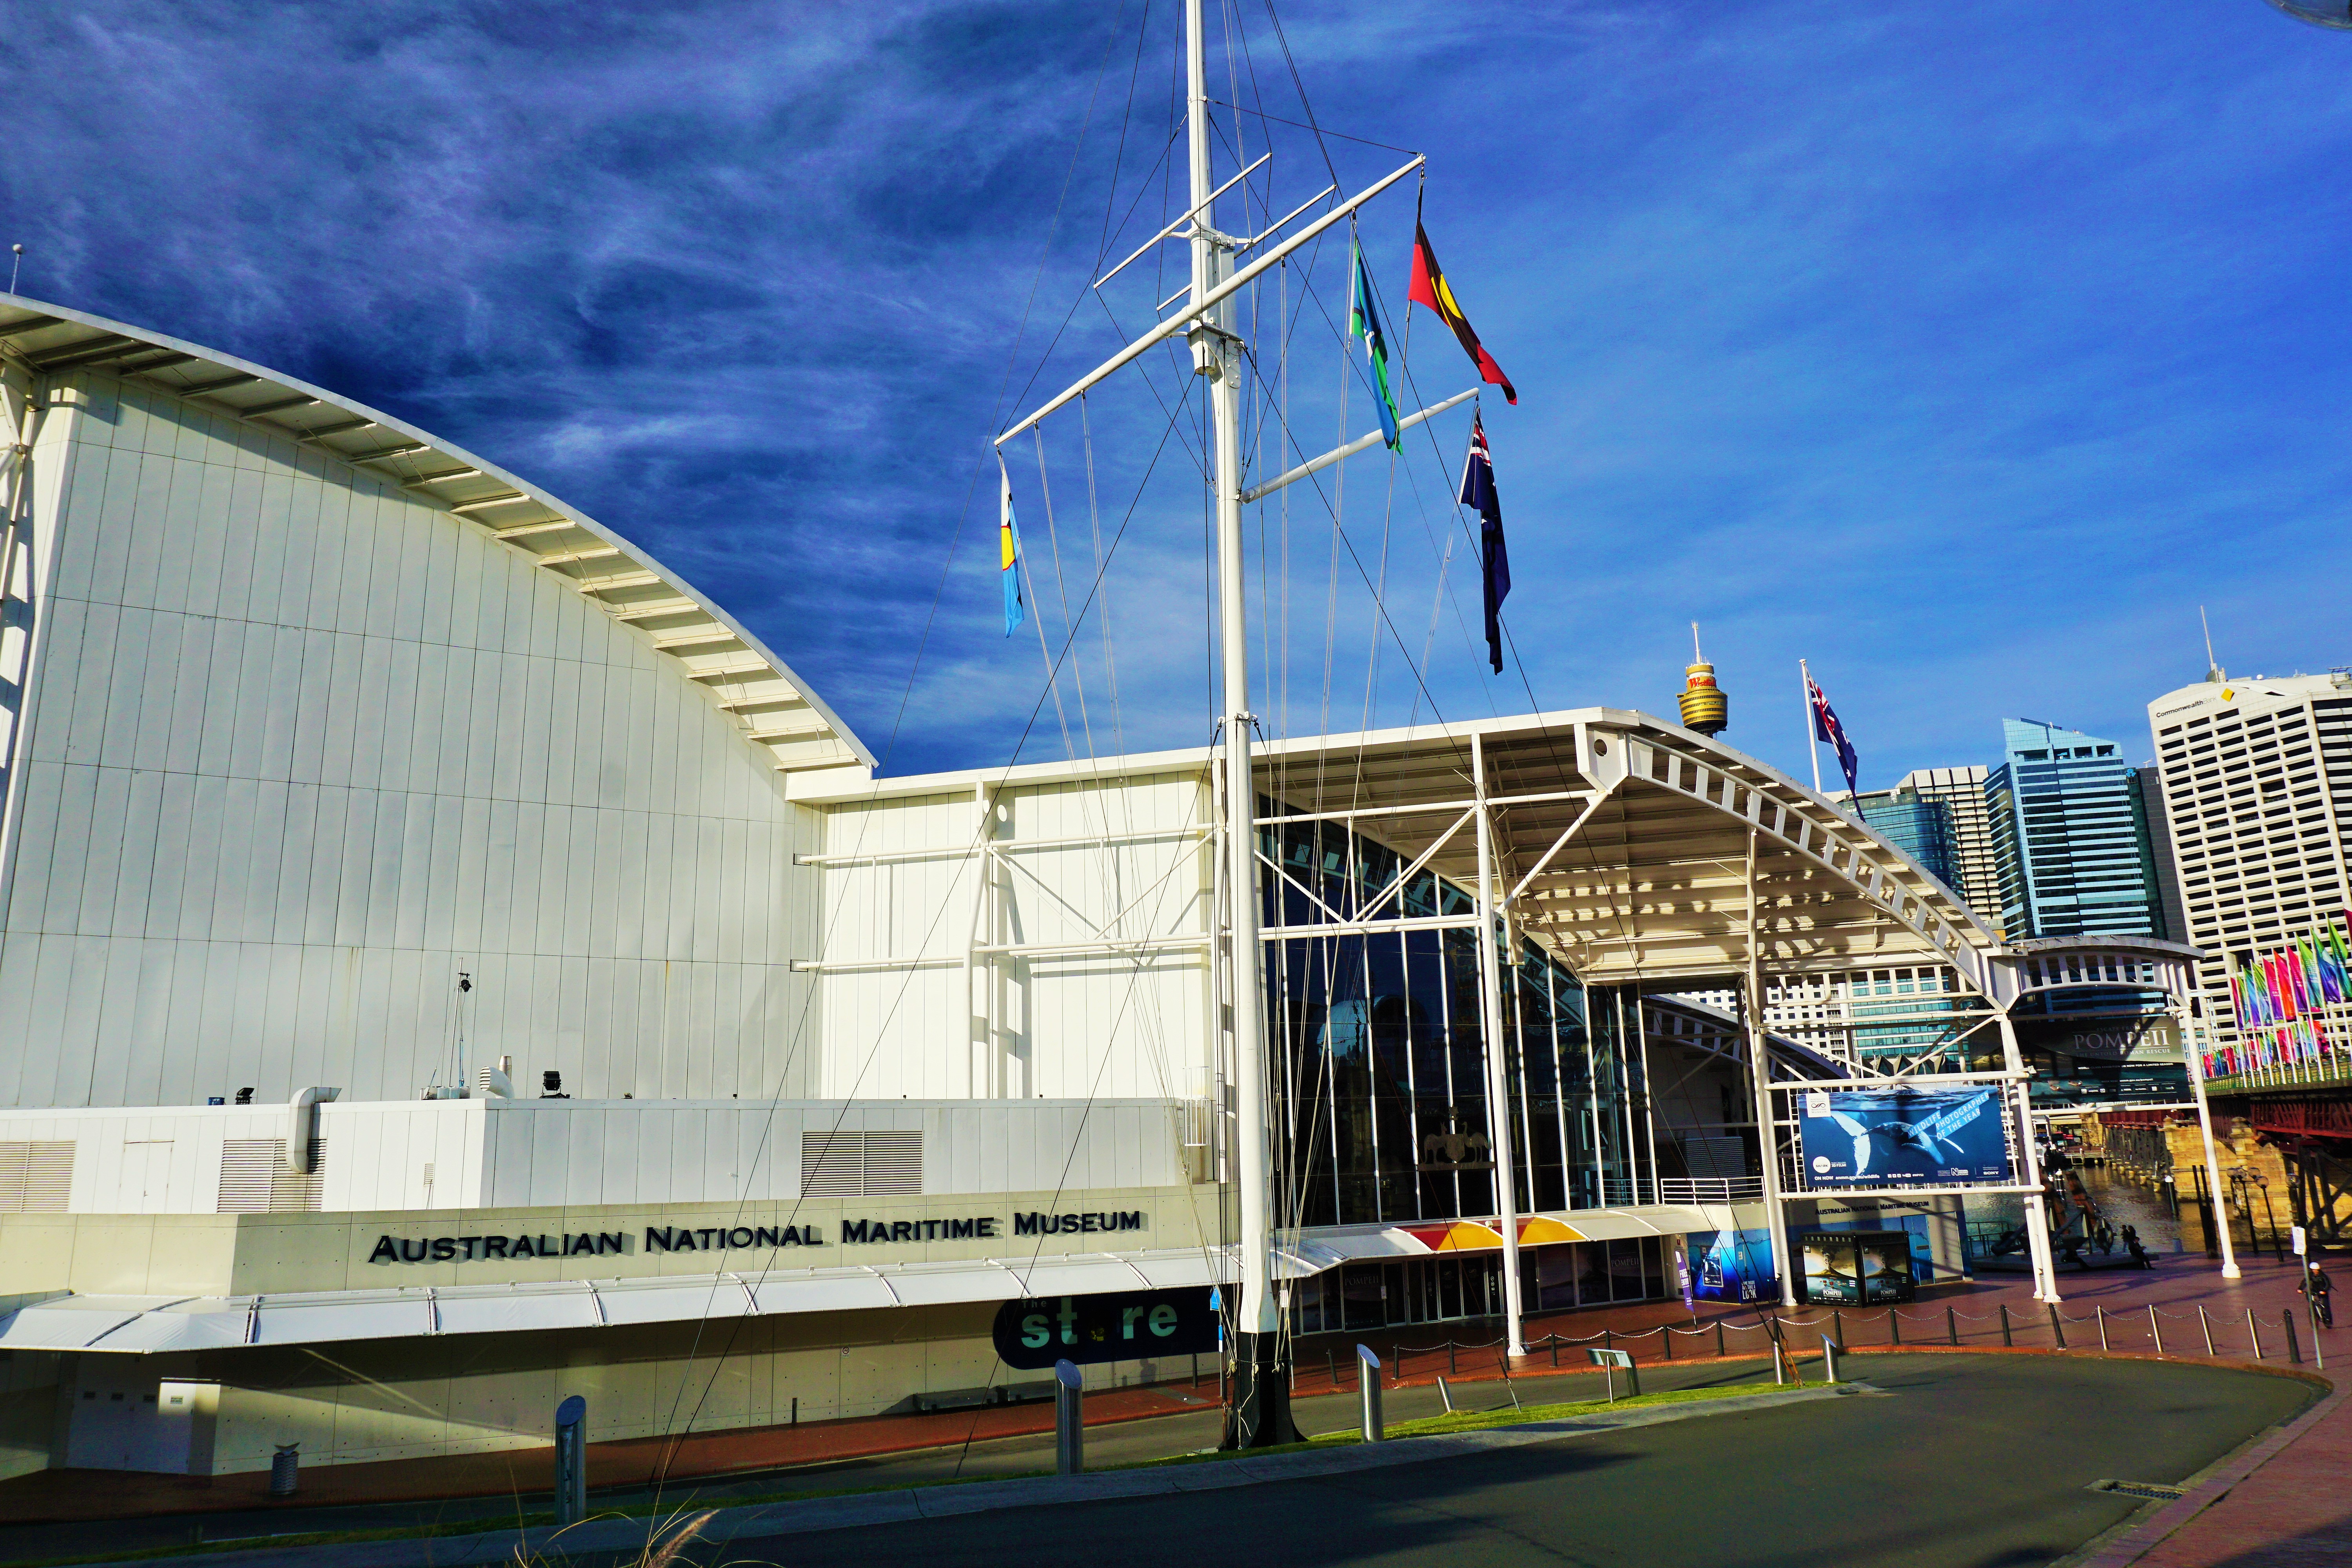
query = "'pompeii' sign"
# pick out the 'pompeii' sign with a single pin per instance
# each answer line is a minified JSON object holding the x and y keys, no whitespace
{"x":741,"y":1237}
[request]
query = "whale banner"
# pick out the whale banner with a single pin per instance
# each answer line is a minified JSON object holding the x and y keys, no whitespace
{"x":1911,"y":1136}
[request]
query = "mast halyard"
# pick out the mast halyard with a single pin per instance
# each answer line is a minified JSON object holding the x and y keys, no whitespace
{"x":1261,"y":1411}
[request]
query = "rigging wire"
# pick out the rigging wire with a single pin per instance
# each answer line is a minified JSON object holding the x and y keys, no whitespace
{"x":799,"y":1028}
{"x":866,"y":1065}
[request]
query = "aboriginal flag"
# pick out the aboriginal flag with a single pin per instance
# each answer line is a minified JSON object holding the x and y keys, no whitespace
{"x":1430,"y":289}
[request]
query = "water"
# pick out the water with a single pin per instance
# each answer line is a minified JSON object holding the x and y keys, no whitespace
{"x":2119,"y":1200}
{"x":2127,"y":1203}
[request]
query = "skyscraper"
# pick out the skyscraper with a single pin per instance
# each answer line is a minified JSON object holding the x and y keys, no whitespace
{"x":2070,"y":837}
{"x":2172,"y":921}
{"x":2258,"y":791}
{"x":1920,"y":826}
{"x":1962,"y":792}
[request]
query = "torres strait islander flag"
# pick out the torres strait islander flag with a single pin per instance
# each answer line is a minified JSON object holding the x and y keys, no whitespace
{"x":1430,"y":289}
{"x":1364,"y":320}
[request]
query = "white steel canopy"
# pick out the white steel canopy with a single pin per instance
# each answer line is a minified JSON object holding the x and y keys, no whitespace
{"x":776,"y":708}
{"x":1621,"y":841}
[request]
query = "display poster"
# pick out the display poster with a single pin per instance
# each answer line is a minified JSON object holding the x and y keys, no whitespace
{"x":1732,"y":1266}
{"x":1135,"y":1325}
{"x":1855,"y":1269}
{"x":1894,"y":1137}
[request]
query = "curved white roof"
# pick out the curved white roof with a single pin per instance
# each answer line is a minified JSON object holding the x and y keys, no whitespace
{"x":777,"y":708}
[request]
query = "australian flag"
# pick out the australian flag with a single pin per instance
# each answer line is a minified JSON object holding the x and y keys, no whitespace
{"x":1478,"y":495}
{"x":1827,"y":729}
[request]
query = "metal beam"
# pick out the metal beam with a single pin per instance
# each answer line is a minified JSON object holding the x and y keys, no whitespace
{"x":422,"y":480}
{"x":278,"y":407}
{"x":399,"y":449}
{"x":1361,"y":443}
{"x":1203,"y":302}
{"x":1181,"y":219}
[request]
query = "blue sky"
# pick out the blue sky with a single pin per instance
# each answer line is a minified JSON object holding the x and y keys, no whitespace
{"x":1963,"y":350}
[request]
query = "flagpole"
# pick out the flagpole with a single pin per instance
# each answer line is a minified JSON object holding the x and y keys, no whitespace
{"x":1261,"y":1397}
{"x":1813,"y":737}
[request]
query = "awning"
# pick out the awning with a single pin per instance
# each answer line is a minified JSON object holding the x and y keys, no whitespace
{"x":1369,"y":1244}
{"x":154,"y":1324}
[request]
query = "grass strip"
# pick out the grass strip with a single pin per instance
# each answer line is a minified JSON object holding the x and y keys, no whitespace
{"x":1466,"y":1421}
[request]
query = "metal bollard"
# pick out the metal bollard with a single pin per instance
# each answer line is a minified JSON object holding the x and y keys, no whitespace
{"x":570,"y":1461}
{"x":2293,"y":1350}
{"x":1069,"y":1419}
{"x":1829,"y":1359}
{"x":1368,"y":1378}
{"x":1665,"y":1343}
{"x":1555,"y":1348}
{"x":2205,"y":1323}
{"x":2254,"y":1332}
{"x":1837,"y":1323}
{"x":2057,"y":1328}
{"x":2102,"y":1312}
{"x":1446,"y":1394}
{"x":1894,"y":1327}
{"x":2155,"y":1328}
{"x":1718,"y":1339}
{"x":2006,"y":1337}
{"x":1780,"y":1364}
{"x":283,"y":1466}
{"x":1450,"y":1368}
{"x":1952,"y":1325}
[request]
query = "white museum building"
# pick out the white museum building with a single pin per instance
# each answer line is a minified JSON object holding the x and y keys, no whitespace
{"x":453,"y":965}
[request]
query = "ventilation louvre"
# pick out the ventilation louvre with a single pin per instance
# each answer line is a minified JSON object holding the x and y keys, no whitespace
{"x":861,"y":1164}
{"x":35,"y":1178}
{"x":254,"y":1178}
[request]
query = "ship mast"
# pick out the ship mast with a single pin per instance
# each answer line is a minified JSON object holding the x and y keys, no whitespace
{"x":1262,"y":1384}
{"x":1261,"y":1411}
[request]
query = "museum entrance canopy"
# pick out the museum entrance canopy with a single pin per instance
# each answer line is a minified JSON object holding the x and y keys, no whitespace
{"x":1622,"y":844}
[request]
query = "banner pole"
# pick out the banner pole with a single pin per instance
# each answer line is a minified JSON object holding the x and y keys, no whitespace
{"x":1812,"y":740}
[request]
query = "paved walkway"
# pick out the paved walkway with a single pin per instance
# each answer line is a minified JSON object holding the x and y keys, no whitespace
{"x":629,"y":1538}
{"x":1466,"y":1351}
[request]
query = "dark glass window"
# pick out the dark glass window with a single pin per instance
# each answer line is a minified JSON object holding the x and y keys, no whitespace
{"x":1380,"y":1058}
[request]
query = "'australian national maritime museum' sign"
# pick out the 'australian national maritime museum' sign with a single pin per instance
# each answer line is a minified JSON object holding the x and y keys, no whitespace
{"x":741,"y":1237}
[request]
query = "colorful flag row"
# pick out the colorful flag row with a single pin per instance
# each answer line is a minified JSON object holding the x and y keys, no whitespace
{"x":2273,"y":1046}
{"x":2274,"y":997}
{"x":2313,"y":971}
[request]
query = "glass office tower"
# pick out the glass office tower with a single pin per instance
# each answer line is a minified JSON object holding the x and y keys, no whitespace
{"x":2070,"y":837}
{"x":1920,"y":826}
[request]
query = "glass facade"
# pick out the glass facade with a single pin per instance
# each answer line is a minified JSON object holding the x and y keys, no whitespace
{"x":2070,"y":837}
{"x":1919,"y":826}
{"x":1380,"y":1058}
{"x":1394,"y":1292}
